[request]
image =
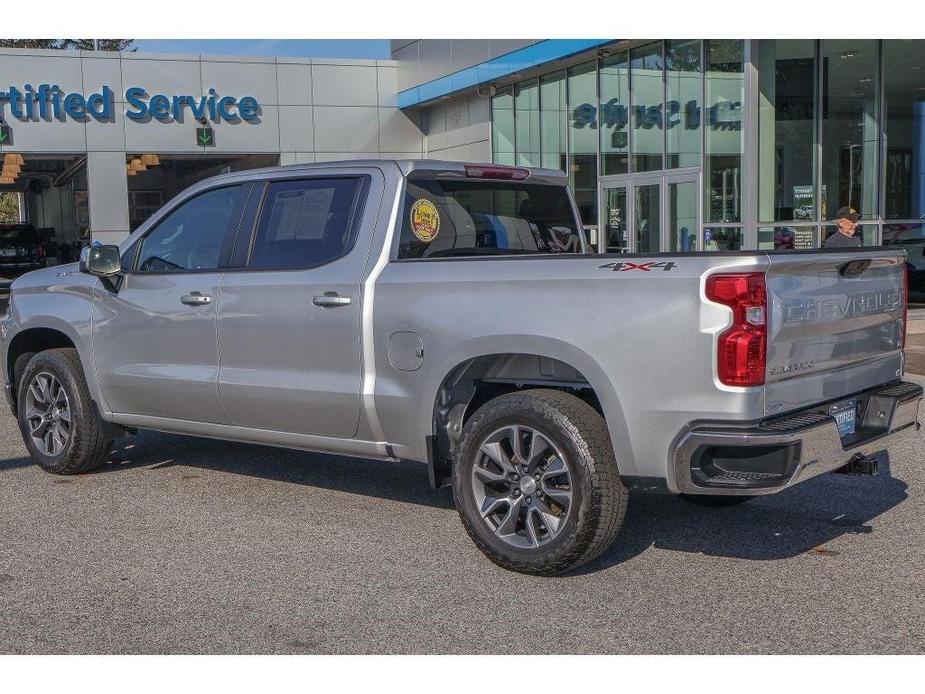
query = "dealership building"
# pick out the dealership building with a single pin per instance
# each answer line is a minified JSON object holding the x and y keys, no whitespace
{"x":669,"y":145}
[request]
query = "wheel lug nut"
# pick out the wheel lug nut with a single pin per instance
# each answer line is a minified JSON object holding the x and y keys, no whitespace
{"x":515,"y":477}
{"x":515,"y":493}
{"x":524,"y":468}
{"x":528,"y":501}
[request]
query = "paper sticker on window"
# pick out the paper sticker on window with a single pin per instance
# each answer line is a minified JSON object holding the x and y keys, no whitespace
{"x":425,"y":220}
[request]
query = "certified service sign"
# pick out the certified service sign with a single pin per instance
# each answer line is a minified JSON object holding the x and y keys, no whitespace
{"x":425,"y":220}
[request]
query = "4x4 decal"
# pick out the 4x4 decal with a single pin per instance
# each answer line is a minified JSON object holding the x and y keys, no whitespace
{"x":623,"y":266}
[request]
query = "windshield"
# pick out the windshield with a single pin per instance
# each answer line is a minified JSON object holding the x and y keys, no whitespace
{"x":453,"y":217}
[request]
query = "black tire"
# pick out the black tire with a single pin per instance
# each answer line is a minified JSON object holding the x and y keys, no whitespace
{"x":599,"y":498}
{"x":715,"y":500}
{"x":87,"y":447}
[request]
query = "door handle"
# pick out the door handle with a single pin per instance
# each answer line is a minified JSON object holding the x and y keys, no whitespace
{"x":330,"y":300}
{"x":195,"y":299}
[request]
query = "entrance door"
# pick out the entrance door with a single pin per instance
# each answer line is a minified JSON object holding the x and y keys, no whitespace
{"x":651,"y":212}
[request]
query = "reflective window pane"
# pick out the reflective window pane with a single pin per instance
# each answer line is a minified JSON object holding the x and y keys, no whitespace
{"x":615,"y":218}
{"x":786,"y":129}
{"x":911,"y":238}
{"x":647,"y":218}
{"x":866,"y":232}
{"x":614,"y":114}
{"x":682,"y":118}
{"x":725,"y":92}
{"x":849,"y":126}
{"x":904,"y":87}
{"x":646,"y":68}
{"x":502,"y":126}
{"x":722,"y":239}
{"x":788,"y":238}
{"x":553,"y":110}
{"x":682,"y":216}
{"x":527,"y":123}
{"x":582,"y":96}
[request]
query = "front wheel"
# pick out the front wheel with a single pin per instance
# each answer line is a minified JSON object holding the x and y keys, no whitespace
{"x":536,"y":483}
{"x":58,"y":420}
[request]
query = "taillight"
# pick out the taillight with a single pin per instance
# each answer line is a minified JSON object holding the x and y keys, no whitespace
{"x":506,"y":173}
{"x":742,"y":348}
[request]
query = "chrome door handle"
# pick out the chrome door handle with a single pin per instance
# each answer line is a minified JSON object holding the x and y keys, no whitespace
{"x":330,"y":300}
{"x":195,"y":299}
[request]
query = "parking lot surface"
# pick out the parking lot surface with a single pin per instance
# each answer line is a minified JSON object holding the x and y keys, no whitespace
{"x":186,"y":545}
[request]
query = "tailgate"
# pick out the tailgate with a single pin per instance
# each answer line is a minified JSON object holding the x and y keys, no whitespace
{"x":830,"y":311}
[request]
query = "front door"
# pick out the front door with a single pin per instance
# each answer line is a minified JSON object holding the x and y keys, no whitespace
{"x":651,"y":212}
{"x":290,"y":320}
{"x":155,"y":339}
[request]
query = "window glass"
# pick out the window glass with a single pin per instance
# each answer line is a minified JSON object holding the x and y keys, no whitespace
{"x":614,"y":113}
{"x":849,"y":126}
{"x":722,"y":239}
{"x":553,"y":118}
{"x":904,"y":87}
{"x":192,"y":236}
{"x":725,"y":93}
{"x":582,"y":96}
{"x":502,"y":126}
{"x":450,"y":217}
{"x":646,"y":68}
{"x":911,"y":238}
{"x":786,"y":129}
{"x":788,"y":238}
{"x":305,"y":223}
{"x":866,"y":232}
{"x":683,"y":79}
{"x":527,"y":122}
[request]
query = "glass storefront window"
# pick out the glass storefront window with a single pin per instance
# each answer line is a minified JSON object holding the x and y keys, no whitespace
{"x":722,"y":239}
{"x":722,"y":120}
{"x":788,"y":238}
{"x":904,"y":89}
{"x":614,"y":114}
{"x":786,"y":129}
{"x":647,"y":221}
{"x":911,"y":238}
{"x":583,"y":125}
{"x":502,"y":126}
{"x":553,"y":118}
{"x":647,"y":112}
{"x":849,"y":126}
{"x":683,"y":82}
{"x":527,"y":122}
{"x":866,"y":232}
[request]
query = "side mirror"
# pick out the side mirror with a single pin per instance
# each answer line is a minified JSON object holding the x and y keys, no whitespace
{"x":101,"y":261}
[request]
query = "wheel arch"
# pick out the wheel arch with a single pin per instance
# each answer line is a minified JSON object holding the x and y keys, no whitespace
{"x":32,"y":340}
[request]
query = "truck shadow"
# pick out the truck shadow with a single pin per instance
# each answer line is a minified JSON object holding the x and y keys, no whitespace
{"x":793,"y":522}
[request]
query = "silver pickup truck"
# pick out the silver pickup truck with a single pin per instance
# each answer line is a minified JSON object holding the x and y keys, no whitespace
{"x":450,"y":314}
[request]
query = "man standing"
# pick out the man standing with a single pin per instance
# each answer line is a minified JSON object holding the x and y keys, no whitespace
{"x":847,"y":234}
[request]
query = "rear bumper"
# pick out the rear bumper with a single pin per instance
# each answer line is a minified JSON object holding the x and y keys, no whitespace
{"x":774,"y":454}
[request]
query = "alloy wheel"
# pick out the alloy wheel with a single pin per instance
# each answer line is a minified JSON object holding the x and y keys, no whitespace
{"x":48,"y":414}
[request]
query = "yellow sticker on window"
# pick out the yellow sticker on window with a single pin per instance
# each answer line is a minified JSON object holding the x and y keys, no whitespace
{"x":425,"y":220}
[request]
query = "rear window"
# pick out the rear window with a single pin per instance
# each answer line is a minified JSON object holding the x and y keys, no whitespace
{"x":18,"y":234}
{"x":446,"y":218}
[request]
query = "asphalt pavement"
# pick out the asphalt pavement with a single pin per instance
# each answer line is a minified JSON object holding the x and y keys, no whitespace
{"x":187,"y":545}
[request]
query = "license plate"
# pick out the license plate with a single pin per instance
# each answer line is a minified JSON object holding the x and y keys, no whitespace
{"x":845,"y":414}
{"x":8,"y":252}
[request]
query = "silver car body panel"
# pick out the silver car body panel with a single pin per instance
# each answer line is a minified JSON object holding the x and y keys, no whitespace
{"x":643,"y":339}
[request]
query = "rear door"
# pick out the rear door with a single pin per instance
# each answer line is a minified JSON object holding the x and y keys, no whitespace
{"x":830,"y":312}
{"x":290,"y":319}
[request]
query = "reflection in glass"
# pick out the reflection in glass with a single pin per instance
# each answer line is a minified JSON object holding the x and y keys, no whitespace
{"x":553,"y":110}
{"x":582,"y":94}
{"x":725,"y":93}
{"x":502,"y":127}
{"x":911,"y":238}
{"x":904,"y":88}
{"x":683,"y":82}
{"x":722,"y":239}
{"x":527,"y":122}
{"x":646,"y":67}
{"x":615,"y":231}
{"x":866,"y":232}
{"x":786,"y":129}
{"x":614,"y":114}
{"x":788,"y":238}
{"x":647,"y":222}
{"x":849,"y":126}
{"x":682,"y":216}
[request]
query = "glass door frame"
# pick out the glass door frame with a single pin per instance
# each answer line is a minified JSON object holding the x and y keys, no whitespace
{"x":661,"y":178}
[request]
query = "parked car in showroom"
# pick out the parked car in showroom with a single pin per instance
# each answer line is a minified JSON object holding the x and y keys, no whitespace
{"x":21,"y":249}
{"x":450,"y":314}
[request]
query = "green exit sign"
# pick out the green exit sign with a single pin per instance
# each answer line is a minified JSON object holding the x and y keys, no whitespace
{"x":6,"y":136}
{"x":205,"y":137}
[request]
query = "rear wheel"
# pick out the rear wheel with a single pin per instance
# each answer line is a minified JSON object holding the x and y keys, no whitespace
{"x":58,"y":420}
{"x":536,"y":483}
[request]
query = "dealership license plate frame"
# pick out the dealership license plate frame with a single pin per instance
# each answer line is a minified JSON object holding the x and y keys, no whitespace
{"x":845,"y":414}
